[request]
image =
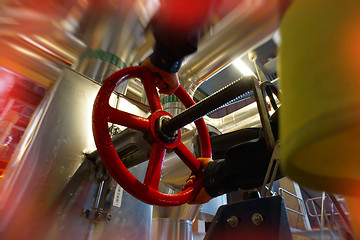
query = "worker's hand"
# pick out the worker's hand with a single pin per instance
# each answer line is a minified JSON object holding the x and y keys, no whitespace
{"x":167,"y":83}
{"x":203,"y":196}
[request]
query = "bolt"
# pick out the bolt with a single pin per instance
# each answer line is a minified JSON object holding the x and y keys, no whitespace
{"x":233,"y":221}
{"x":257,"y":219}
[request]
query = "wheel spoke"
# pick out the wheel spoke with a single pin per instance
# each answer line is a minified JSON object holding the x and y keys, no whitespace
{"x":153,"y":172}
{"x":152,"y":95}
{"x":128,"y":120}
{"x":188,"y":158}
{"x":205,"y":143}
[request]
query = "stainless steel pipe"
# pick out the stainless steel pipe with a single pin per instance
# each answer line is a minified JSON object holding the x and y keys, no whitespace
{"x":248,"y":25}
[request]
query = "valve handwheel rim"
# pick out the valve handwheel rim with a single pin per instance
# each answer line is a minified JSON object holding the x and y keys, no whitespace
{"x":146,"y":191}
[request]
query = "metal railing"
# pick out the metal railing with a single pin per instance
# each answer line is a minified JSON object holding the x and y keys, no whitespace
{"x":333,"y":215}
{"x":300,"y":203}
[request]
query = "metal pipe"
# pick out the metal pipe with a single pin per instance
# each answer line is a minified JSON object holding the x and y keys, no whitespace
{"x":249,"y":24}
{"x":244,"y":117}
{"x":38,"y":38}
{"x":29,"y":61}
{"x":113,"y":33}
{"x":171,"y":229}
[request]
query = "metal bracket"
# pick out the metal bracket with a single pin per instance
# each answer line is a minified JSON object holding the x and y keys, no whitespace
{"x":271,"y":171}
{"x":264,"y":115}
{"x":96,"y":215}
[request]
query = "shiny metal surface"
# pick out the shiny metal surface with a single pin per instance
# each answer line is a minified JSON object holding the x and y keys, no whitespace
{"x":64,"y":47}
{"x":172,"y":223}
{"x":38,"y":39}
{"x":184,"y":212}
{"x":49,"y":182}
{"x":172,"y":104}
{"x":174,"y":175}
{"x":247,"y":116}
{"x":29,"y":61}
{"x":251,"y":23}
{"x":211,"y":207}
{"x":175,"y":172}
{"x":131,"y":146}
{"x":175,"y":229}
{"x":115,"y":31}
{"x":244,"y":117}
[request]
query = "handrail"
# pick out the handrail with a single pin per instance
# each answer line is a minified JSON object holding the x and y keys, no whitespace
{"x":300,"y":201}
{"x":337,"y":211}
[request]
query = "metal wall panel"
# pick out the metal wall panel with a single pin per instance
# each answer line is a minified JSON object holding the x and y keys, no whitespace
{"x":49,"y":182}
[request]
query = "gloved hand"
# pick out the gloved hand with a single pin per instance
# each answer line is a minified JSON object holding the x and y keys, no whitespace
{"x":203,"y":196}
{"x":167,"y":83}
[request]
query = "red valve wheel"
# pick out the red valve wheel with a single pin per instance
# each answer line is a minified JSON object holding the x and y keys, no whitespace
{"x":103,"y":113}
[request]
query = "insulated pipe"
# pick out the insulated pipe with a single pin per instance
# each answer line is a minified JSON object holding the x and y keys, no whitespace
{"x":29,"y":61}
{"x":37,"y":38}
{"x":245,"y":27}
{"x":113,"y":33}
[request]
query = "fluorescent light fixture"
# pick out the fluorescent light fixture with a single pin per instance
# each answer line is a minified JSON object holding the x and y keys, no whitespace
{"x":243,"y":68}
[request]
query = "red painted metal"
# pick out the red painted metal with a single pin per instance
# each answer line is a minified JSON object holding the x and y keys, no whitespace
{"x":155,"y":135}
{"x":148,"y":190}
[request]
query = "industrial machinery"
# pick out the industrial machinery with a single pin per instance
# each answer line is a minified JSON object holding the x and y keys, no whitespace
{"x":89,"y":150}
